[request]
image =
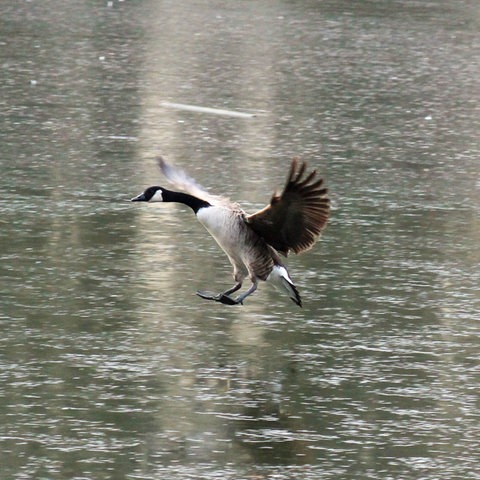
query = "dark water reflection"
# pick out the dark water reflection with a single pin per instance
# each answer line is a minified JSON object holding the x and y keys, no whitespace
{"x":110,"y":367}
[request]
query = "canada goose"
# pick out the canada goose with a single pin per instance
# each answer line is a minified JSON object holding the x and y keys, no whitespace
{"x":292,"y":221}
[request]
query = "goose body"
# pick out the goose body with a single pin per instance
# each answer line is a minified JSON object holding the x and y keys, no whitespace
{"x":292,"y":221}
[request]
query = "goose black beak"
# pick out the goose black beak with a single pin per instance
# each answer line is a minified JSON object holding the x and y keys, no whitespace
{"x":139,"y":198}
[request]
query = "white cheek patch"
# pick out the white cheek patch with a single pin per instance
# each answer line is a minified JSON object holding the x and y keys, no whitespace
{"x":157,"y":196}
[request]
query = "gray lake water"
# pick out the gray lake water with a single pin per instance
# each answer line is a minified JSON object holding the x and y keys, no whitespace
{"x":112,"y":368}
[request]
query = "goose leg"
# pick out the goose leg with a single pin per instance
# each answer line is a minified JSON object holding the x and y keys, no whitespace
{"x":243,"y":296}
{"x":236,"y":287}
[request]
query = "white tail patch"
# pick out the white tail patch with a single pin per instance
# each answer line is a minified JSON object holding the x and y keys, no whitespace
{"x":280,"y":278}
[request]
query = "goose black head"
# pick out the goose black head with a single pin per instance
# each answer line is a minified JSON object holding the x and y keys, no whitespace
{"x":151,"y":194}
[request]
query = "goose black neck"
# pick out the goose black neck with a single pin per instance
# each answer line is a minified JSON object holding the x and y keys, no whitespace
{"x":194,"y":203}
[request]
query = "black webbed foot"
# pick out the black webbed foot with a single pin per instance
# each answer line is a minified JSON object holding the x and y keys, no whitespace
{"x":220,"y":297}
{"x":226,"y":300}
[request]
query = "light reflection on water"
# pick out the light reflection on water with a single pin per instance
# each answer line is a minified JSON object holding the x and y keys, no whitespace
{"x":111,"y":367}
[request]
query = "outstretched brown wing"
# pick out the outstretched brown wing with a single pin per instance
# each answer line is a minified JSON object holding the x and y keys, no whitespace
{"x":295,"y":218}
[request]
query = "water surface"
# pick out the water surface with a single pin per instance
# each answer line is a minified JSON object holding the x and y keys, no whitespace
{"x":111,"y":367}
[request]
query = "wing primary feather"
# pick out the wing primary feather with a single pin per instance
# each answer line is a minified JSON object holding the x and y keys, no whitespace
{"x":301,"y":170}
{"x":181,"y":180}
{"x":295,"y":218}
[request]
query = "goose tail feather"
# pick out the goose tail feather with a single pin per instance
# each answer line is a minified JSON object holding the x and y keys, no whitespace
{"x":280,"y":278}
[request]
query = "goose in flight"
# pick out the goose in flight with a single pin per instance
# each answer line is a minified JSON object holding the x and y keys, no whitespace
{"x":292,"y":221}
